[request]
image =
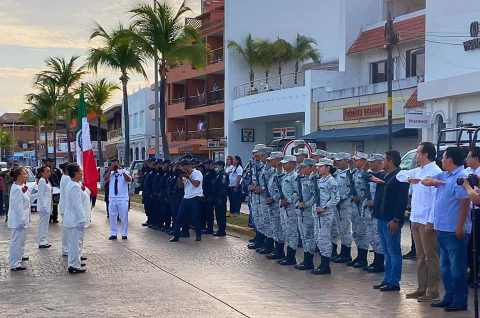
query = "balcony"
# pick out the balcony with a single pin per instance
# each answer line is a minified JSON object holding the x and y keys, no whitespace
{"x":272,"y":83}
{"x":216,"y":56}
{"x":177,"y":101}
{"x":114,"y":135}
{"x":213,"y":133}
{"x":210,"y":98}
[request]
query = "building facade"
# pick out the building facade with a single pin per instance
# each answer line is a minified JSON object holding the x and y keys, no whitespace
{"x":195,"y":96}
{"x":23,"y":137}
{"x":113,"y":145}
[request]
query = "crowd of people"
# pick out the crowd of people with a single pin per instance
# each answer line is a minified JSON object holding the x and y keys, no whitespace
{"x":326,"y":201}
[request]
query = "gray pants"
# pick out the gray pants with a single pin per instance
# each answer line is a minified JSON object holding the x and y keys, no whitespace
{"x":290,"y":226}
{"x":323,"y":230}
{"x":267,"y":219}
{"x":306,"y":227}
{"x":344,"y":223}
{"x":359,"y":227}
{"x":276,"y":223}
{"x":372,"y":232}
{"x":256,"y":213}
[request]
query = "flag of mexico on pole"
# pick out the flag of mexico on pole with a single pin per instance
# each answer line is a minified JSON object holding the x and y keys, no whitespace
{"x":85,"y":157}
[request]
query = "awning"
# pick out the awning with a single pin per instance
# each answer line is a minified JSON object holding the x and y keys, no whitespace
{"x":361,"y":133}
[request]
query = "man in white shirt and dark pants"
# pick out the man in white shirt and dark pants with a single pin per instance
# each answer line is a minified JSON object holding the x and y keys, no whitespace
{"x":118,"y":198}
{"x":192,"y":183}
{"x":421,"y":218}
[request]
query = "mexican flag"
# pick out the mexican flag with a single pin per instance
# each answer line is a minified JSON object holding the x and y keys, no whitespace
{"x":85,"y":157}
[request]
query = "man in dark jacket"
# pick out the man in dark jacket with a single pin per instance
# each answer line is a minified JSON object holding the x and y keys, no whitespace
{"x":147,"y":193}
{"x":207,"y":203}
{"x":391,"y":198}
{"x":221,"y":188}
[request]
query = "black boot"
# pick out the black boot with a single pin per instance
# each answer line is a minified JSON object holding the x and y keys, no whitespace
{"x":374,"y":262}
{"x":268,"y":248}
{"x":379,"y":267}
{"x":324,"y":267}
{"x":258,"y":242}
{"x":334,"y":252}
{"x":354,"y":261}
{"x":278,"y":253}
{"x":361,"y":258}
{"x":290,"y":259}
{"x":345,"y":255}
{"x":263,"y":245}
{"x":307,"y":262}
{"x":253,"y":239}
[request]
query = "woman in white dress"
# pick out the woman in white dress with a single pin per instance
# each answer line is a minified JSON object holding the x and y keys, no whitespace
{"x":74,"y":217}
{"x":18,"y":218}
{"x":44,"y":205}
{"x":61,"y":205}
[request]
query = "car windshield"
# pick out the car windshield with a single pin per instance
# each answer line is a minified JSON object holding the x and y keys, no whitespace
{"x":31,"y":177}
{"x":408,"y":161}
{"x":137,"y":166}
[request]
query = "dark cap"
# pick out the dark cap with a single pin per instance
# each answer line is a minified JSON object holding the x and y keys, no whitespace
{"x":166,"y":161}
{"x":220,"y":163}
{"x":187,"y":156}
{"x":159,"y":161}
{"x":153,"y":159}
{"x":208,"y":162}
{"x":184,"y":162}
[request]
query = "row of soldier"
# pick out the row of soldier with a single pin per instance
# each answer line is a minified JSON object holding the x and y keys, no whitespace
{"x":319,"y":200}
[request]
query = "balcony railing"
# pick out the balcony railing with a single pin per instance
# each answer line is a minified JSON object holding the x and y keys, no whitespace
{"x":177,"y":100}
{"x":117,"y":133}
{"x":217,"y":56}
{"x":213,"y":97}
{"x":272,"y":83}
{"x":213,"y":133}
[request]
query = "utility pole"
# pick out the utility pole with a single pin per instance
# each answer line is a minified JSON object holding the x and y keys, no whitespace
{"x":392,"y":39}
{"x":157,"y":102}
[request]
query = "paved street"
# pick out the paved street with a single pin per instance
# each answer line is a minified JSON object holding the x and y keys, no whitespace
{"x":146,"y":276}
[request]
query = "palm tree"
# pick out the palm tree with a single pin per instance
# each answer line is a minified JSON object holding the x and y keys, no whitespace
{"x":302,"y":49}
{"x":266,"y":56}
{"x":282,"y":51}
{"x":97,"y":95}
{"x":249,"y":52}
{"x":65,"y":75}
{"x":161,"y":33}
{"x":32,"y":117}
{"x":6,"y":140}
{"x":121,"y":53}
{"x":44,"y":104}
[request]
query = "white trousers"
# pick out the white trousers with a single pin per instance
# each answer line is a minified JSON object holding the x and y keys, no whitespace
{"x":17,"y":245}
{"x":44,"y":220}
{"x":118,"y":208}
{"x":74,"y":236}
{"x":64,"y":241}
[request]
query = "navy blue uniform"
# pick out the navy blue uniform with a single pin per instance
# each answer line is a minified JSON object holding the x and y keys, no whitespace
{"x":207,"y":203}
{"x":221,"y":189}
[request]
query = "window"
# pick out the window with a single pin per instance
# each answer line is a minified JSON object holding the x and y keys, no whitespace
{"x":135,"y":120}
{"x":378,"y":71}
{"x":415,"y":62}
{"x":141,"y":118}
{"x":131,"y":120}
{"x":136,"y":153}
{"x":143,"y":153}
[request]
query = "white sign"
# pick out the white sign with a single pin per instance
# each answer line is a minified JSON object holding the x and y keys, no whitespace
{"x":417,"y":121}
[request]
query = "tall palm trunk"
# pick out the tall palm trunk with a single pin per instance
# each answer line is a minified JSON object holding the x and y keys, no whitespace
{"x":296,"y":72}
{"x":126,"y":118}
{"x":252,"y":78}
{"x":55,"y":142}
{"x":46,"y":141}
{"x":266,"y":76}
{"x":163,"y":89}
{"x":36,"y":145}
{"x":99,"y":143}
{"x":280,"y":73}
{"x":67,"y":124}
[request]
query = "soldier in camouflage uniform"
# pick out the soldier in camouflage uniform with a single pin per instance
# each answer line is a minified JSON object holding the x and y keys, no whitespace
{"x":272,"y":199}
{"x":326,"y":199}
{"x":301,"y":154}
{"x":319,"y":154}
{"x":375,"y":162}
{"x":305,"y":185}
{"x":345,"y":207}
{"x":264,"y":209}
{"x":253,"y":198}
{"x":288,"y":211}
{"x":359,"y":227}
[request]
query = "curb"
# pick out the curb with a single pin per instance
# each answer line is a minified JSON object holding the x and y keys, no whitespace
{"x":240,"y":230}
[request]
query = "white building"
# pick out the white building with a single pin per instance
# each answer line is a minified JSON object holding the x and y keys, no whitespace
{"x":451,"y":90}
{"x":316,"y":100}
{"x":142,"y":127}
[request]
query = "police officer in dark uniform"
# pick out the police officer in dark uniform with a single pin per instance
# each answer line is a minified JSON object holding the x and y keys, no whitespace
{"x":175,"y":192}
{"x":55,"y":182}
{"x":208,"y":201}
{"x":165,"y":217}
{"x":156,"y":212}
{"x":220,"y":190}
{"x":147,"y":193}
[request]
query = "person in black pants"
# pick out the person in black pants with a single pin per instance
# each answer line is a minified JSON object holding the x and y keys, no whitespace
{"x":207,"y":204}
{"x":221,"y":189}
{"x":147,"y":193}
{"x":175,"y":193}
{"x":55,"y":182}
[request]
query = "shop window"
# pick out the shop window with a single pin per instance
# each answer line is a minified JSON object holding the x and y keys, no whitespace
{"x":378,"y":71}
{"x":415,"y":62}
{"x":143,"y":153}
{"x":136,"y":153}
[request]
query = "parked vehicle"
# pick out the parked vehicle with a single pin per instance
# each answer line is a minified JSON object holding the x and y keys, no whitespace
{"x":135,"y":170}
{"x":32,"y":187}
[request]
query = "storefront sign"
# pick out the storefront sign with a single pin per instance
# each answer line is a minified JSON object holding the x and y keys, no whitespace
{"x":363,"y":112}
{"x":417,"y":121}
{"x":474,"y":32}
{"x":284,"y":133}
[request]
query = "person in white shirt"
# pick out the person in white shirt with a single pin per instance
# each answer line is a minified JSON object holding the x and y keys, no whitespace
{"x":18,"y":218}
{"x":61,"y":205}
{"x":44,"y":205}
{"x":421,"y":218}
{"x":74,"y":217}
{"x":235,"y":174}
{"x":118,"y":197}
{"x":192,"y":184}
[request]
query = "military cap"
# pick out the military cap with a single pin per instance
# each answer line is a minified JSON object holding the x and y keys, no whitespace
{"x":320,"y":152}
{"x":266,"y":150}
{"x":307,"y":162}
{"x":301,"y":151}
{"x":375,"y":157}
{"x":324,"y":162}
{"x":159,"y":161}
{"x":208,"y":162}
{"x":275,"y":155}
{"x":360,"y":155}
{"x":289,"y":158}
{"x":257,"y":148}
{"x":343,"y":156}
{"x":152,"y":159}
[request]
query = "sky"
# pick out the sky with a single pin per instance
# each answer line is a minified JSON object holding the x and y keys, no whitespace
{"x":31,"y":31}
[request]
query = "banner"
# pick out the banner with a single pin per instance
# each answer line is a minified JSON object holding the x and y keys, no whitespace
{"x":417,"y":121}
